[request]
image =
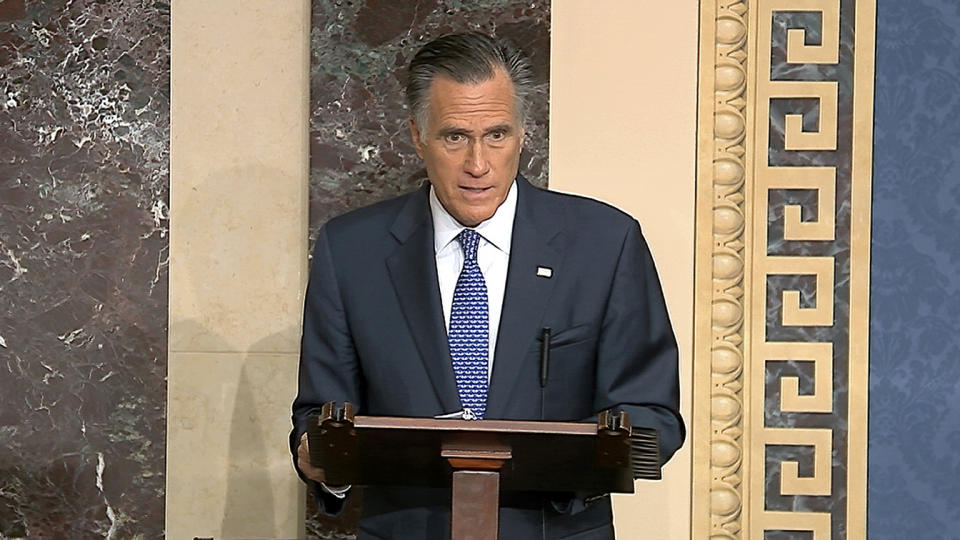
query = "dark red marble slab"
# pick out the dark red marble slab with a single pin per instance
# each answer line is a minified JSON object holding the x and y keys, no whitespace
{"x":84,"y":138}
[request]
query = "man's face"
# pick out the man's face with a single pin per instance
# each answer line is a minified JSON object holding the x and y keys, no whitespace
{"x":471,"y":145}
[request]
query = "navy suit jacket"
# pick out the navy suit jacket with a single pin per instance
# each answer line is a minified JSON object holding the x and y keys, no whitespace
{"x":374,"y":335}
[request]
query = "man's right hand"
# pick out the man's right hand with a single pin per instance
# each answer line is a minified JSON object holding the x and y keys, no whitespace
{"x":303,"y":461}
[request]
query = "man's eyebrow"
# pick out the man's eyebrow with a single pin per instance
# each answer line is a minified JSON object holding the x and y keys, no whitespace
{"x":501,"y":128}
{"x":451,"y":130}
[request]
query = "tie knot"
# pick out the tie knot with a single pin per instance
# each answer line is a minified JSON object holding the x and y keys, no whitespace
{"x":469,"y":240}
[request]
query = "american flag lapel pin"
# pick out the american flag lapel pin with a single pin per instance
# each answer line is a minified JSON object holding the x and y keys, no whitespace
{"x":544,"y":271}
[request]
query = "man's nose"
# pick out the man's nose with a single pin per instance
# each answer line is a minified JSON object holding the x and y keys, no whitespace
{"x":476,"y":162}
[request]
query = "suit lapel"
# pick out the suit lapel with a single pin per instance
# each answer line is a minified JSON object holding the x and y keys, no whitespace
{"x":413,"y":271}
{"x":534,"y":243}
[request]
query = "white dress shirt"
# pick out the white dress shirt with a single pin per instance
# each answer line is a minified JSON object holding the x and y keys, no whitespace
{"x":493,"y":257}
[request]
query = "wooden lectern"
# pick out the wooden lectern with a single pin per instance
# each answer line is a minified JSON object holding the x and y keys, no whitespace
{"x":478,"y":458}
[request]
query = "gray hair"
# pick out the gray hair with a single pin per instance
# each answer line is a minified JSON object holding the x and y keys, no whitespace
{"x":468,"y":58}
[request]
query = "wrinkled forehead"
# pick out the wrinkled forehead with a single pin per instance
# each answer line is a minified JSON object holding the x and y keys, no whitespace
{"x":492,"y":97}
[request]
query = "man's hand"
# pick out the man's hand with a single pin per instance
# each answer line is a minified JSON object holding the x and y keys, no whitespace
{"x":303,"y":461}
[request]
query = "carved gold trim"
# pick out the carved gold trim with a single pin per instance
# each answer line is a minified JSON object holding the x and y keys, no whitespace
{"x":720,"y":270}
{"x":731,"y":348}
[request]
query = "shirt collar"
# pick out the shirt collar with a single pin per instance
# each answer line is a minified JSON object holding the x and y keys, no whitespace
{"x":498,"y":230}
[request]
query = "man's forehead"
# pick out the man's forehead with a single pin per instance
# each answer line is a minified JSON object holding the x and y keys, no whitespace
{"x":444,"y":89}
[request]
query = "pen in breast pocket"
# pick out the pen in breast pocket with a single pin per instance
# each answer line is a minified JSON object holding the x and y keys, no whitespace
{"x":544,"y":355}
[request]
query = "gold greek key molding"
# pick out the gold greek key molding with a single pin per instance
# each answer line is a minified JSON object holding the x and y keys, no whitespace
{"x":821,"y":356}
{"x":823,"y":179}
{"x":791,"y":312}
{"x":772,"y":274}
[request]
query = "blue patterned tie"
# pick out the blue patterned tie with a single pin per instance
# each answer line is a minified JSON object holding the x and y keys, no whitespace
{"x":470,"y":330}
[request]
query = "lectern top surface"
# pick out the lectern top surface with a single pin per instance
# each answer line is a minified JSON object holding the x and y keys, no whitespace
{"x":499,"y":426}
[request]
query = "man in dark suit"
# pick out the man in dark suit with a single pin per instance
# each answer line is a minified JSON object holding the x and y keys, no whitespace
{"x":432,"y":304}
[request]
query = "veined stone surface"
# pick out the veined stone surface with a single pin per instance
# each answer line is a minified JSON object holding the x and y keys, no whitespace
{"x":84,"y":132}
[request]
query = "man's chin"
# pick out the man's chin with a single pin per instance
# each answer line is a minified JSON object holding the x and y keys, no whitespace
{"x":473,"y":215}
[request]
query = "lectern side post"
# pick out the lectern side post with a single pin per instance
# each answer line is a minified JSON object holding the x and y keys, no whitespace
{"x":476,"y":460}
{"x":476,"y":505}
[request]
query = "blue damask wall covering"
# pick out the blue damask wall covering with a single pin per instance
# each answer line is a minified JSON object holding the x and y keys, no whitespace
{"x":914,"y":464}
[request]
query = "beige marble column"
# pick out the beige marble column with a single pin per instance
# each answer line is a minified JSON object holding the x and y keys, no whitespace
{"x":238,"y":200}
{"x":623,"y":129}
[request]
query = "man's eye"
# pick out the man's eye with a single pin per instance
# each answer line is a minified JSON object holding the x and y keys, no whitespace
{"x":455,"y":138}
{"x":498,"y":136}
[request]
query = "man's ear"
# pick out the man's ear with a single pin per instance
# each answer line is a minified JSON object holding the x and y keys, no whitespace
{"x":415,"y":135}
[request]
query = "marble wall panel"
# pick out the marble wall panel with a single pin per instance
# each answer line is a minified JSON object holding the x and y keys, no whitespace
{"x":360,"y":148}
{"x":84,"y":130}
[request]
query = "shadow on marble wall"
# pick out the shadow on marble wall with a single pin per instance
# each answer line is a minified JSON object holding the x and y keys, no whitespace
{"x":249,"y":427}
{"x":231,"y":315}
{"x":84,"y":131}
{"x":360,"y":147}
{"x":247,"y":447}
{"x":250,"y":509}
